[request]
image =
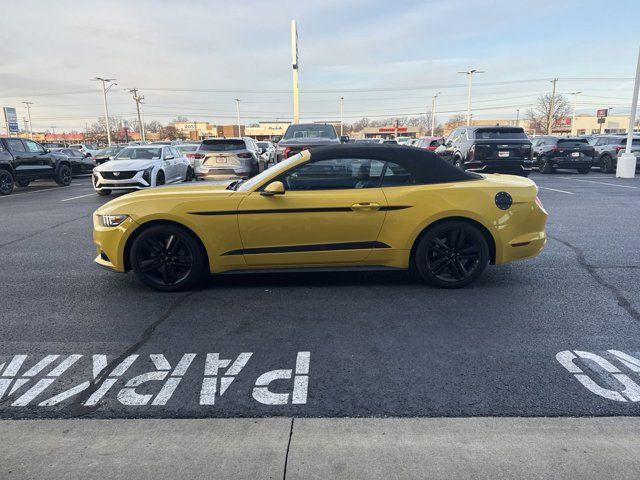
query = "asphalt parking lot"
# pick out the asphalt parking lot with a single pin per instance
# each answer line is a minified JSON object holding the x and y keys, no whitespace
{"x":555,"y":336}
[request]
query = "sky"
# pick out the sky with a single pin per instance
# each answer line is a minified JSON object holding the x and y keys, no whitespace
{"x":387,"y":59}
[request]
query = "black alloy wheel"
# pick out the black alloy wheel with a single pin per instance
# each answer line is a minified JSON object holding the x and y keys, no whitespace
{"x":452,"y":254}
{"x":606,"y":164}
{"x":543,"y":165}
{"x":458,"y":163}
{"x":6,"y":182}
{"x":160,"y":179}
{"x":64,"y":176}
{"x":167,"y":258}
{"x":189,"y":175}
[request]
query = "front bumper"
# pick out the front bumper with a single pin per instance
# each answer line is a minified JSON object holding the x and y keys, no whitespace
{"x":137,"y":182}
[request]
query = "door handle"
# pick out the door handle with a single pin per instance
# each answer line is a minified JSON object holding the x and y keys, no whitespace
{"x":365,"y":206}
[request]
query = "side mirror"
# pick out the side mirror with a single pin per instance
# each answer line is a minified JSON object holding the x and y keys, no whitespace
{"x":344,"y":138}
{"x":441,"y":149}
{"x":170,"y":157}
{"x":274,"y":188}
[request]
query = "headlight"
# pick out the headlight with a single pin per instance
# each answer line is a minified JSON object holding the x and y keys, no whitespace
{"x":112,"y":220}
{"x":146,"y":175}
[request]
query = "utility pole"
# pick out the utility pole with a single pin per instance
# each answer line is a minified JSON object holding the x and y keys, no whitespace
{"x":341,"y":105}
{"x":28,"y":104}
{"x":138,"y":99}
{"x":626,"y":167}
{"x":469,"y":74}
{"x":294,"y":65}
{"x":433,"y":112}
{"x":144,"y":129}
{"x":573,"y":117}
{"x":105,"y":89}
{"x":551,"y":106}
{"x":517,"y":117}
{"x":238,"y":112}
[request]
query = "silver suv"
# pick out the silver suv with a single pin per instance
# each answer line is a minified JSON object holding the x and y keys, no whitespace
{"x":608,"y":147}
{"x":227,"y":157}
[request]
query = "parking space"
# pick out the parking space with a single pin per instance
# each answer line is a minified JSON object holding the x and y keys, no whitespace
{"x":555,"y":336}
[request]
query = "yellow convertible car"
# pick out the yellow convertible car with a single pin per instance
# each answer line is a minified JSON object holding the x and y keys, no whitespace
{"x":344,"y":206}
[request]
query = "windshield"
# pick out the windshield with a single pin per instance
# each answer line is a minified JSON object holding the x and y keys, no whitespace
{"x":263,"y":144}
{"x":187,"y":148}
{"x":222,"y":145}
{"x":148,"y":153}
{"x":277,"y":168}
{"x":572,"y":140}
{"x":500,"y":134}
{"x":309,"y":131}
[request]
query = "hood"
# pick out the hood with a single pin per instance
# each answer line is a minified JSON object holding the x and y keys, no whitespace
{"x":127,"y":165}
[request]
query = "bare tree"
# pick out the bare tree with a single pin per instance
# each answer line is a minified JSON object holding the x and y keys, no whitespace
{"x":538,"y":115}
{"x":453,"y":122}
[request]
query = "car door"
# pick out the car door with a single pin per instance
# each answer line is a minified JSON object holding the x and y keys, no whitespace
{"x":40,"y":161}
{"x":331,"y":212}
{"x":168,"y":160}
{"x":181,"y":164}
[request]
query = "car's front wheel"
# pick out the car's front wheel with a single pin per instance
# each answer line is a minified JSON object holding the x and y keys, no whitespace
{"x":63,"y":176}
{"x":452,"y":254}
{"x":160,"y":178}
{"x":6,"y":182}
{"x":167,"y":258}
{"x":544,"y":165}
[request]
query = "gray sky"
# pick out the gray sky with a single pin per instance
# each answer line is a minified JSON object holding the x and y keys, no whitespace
{"x":385,"y":58}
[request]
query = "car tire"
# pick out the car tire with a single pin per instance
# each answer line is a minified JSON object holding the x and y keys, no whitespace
{"x":63,"y":176}
{"x":452,"y":254}
{"x":103,"y":192}
{"x":606,"y":164}
{"x":544,"y":166}
{"x":189,"y":175}
{"x":167,"y":258}
{"x":160,"y":178}
{"x":458,"y":163}
{"x":6,"y":182}
{"x":584,"y":170}
{"x":24,"y":183}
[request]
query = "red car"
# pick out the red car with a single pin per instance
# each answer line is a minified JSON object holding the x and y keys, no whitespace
{"x":429,"y":143}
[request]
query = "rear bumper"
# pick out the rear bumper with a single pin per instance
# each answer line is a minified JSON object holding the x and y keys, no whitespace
{"x":208,"y":172}
{"x":570,"y":162}
{"x":514,"y":167}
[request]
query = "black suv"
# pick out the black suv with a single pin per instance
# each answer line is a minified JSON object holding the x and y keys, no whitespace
{"x":24,"y":160}
{"x":551,"y":152}
{"x":488,"y":149}
{"x":301,"y":136}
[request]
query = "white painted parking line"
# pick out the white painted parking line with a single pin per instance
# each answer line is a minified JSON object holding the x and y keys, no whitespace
{"x":603,"y":183}
{"x":47,"y":189}
{"x":556,"y":190}
{"x":79,"y":196}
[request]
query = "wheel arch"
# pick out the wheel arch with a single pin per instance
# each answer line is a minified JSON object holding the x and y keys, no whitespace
{"x":487,"y":234}
{"x":8,"y":167}
{"x":126,"y":254}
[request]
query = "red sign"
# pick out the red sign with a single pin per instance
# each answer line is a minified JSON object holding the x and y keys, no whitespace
{"x":391,"y":129}
{"x":602,"y":112}
{"x":562,"y":122}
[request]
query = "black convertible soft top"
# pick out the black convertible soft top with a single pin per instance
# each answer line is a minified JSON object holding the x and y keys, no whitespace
{"x":425,"y":166}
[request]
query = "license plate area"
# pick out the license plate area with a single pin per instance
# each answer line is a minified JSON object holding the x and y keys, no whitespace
{"x":221,"y":159}
{"x":503,"y":153}
{"x":575,"y":154}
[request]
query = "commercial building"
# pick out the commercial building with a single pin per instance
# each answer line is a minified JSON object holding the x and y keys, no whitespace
{"x":388,"y":131}
{"x":267,"y":130}
{"x":195,"y":130}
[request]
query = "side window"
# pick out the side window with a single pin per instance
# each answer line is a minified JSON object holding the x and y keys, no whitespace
{"x":174,"y":152}
{"x":166,"y":153}
{"x":395,"y":175}
{"x":335,"y":174}
{"x":16,"y":145}
{"x":33,"y":147}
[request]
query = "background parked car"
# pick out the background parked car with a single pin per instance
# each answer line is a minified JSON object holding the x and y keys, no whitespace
{"x":550,"y":153}
{"x":489,"y":149}
{"x":86,"y":148}
{"x":608,"y":147}
{"x":301,"y":136}
{"x":107,"y":154}
{"x":22,"y":161}
{"x":80,"y":163}
{"x":429,"y":143}
{"x":269,"y":154}
{"x":227,"y":157}
{"x":140,"y":167}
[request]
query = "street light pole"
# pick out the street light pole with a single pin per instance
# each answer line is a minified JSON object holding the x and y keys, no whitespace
{"x":517,"y":117}
{"x":341,"y":106}
{"x":105,"y":89}
{"x":573,"y":117}
{"x":294,"y":68}
{"x":433,"y":112}
{"x":238,"y":112}
{"x":469,"y":74}
{"x":28,"y":104}
{"x":627,"y":161}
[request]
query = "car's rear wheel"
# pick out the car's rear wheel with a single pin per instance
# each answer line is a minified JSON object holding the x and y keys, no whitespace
{"x":544,"y":166}
{"x":167,"y":258}
{"x":606,"y":164}
{"x":189,"y":175}
{"x":63,"y":176}
{"x":6,"y":182}
{"x":452,"y":254}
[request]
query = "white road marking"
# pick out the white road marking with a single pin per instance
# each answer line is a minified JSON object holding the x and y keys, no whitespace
{"x":556,"y":190}
{"x":79,"y":196}
{"x":602,"y":183}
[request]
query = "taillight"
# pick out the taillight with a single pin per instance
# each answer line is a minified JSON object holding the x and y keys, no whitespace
{"x":539,"y":203}
{"x":618,"y":149}
{"x":472,"y":153}
{"x":286,"y":152}
{"x":196,"y":156}
{"x":244,"y":155}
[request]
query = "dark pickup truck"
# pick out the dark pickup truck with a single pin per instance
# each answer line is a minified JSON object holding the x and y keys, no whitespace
{"x":302,"y":136}
{"x":488,"y":149}
{"x":22,"y":161}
